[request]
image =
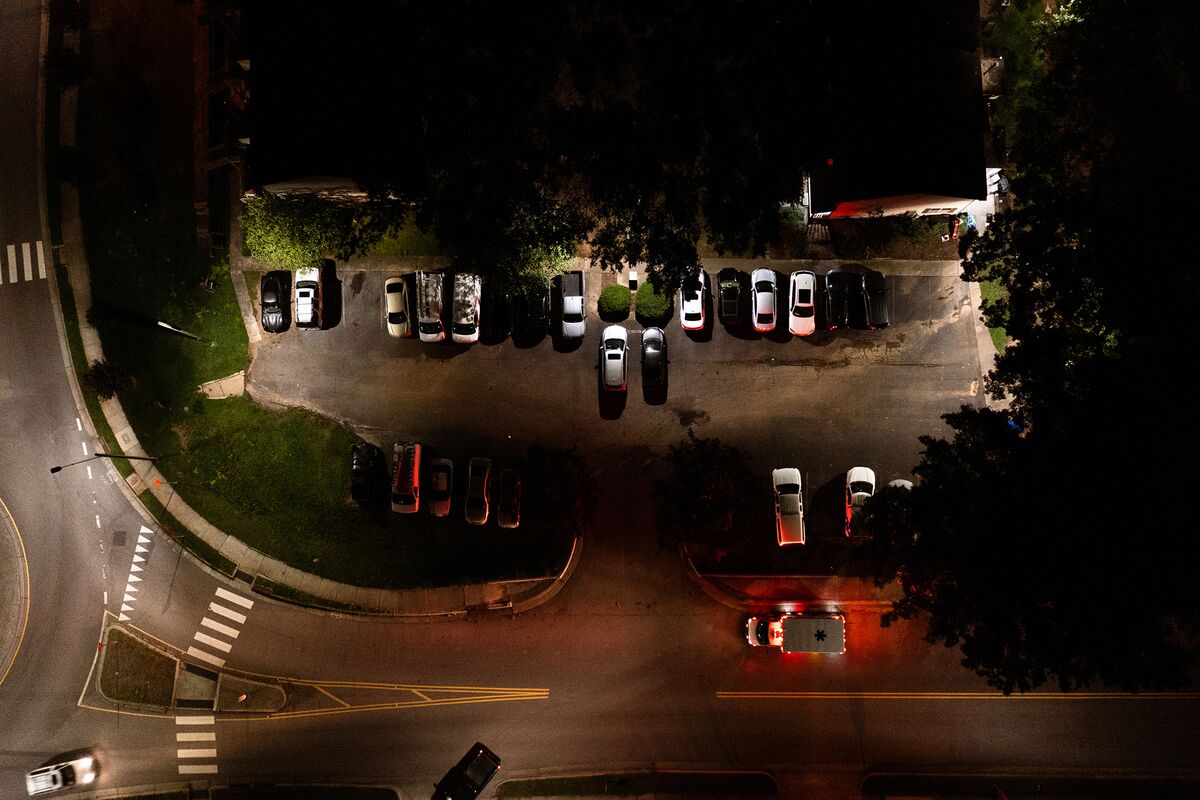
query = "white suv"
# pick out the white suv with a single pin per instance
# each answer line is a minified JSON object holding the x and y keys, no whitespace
{"x":789,"y":506}
{"x":45,"y":780}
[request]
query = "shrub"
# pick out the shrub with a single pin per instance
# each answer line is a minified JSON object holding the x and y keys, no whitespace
{"x":107,"y":379}
{"x":614,"y":302}
{"x":652,"y":304}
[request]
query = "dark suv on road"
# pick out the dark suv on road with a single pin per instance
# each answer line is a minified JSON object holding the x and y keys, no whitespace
{"x":468,"y":777}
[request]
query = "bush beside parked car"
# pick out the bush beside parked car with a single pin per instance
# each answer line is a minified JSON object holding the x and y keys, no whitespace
{"x":652,"y":304}
{"x":614,"y":302}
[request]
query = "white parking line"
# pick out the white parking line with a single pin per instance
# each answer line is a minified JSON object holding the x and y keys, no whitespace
{"x":195,"y":720}
{"x":232,"y":633}
{"x":204,"y":638}
{"x":197,"y":753}
{"x":197,"y":769}
{"x":234,"y":598}
{"x":225,"y":612}
{"x":203,"y":656}
{"x":206,"y":736}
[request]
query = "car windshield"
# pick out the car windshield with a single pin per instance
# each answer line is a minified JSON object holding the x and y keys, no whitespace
{"x":764,"y":317}
{"x":572,"y":317}
{"x":790,"y":488}
{"x":614,"y":344}
{"x":860,"y":487}
{"x":802,"y":311}
{"x":692,"y":316}
{"x":431,"y":327}
{"x":764,"y":287}
{"x":475,"y":501}
{"x":464,"y":328}
{"x":396,"y":317}
{"x":762,"y":631}
{"x":405,"y":499}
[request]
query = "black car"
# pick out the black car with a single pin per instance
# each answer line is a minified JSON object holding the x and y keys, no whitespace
{"x":367,"y":472}
{"x":654,"y":359}
{"x":271,"y":297}
{"x":468,"y":777}
{"x":729,"y":295}
{"x":875,"y":300}
{"x":837,"y":299}
{"x":533,"y":312}
{"x":497,"y":313}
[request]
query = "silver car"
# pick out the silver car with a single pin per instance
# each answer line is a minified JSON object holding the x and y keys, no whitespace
{"x":613,"y":358}
{"x":763,"y":284}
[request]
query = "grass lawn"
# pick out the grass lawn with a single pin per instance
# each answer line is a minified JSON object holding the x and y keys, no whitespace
{"x":135,"y":673}
{"x":252,"y":279}
{"x":408,"y":242}
{"x":277,"y":480}
{"x":990,"y":292}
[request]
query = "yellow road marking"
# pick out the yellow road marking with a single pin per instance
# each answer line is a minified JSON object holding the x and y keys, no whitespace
{"x":28,"y":597}
{"x":1192,"y":696}
{"x":422,"y":695}
{"x":397,"y":705}
{"x":331,"y":695}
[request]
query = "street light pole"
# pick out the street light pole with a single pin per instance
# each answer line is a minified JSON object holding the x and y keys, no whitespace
{"x":102,"y":455}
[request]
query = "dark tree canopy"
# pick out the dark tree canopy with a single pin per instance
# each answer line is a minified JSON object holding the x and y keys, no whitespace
{"x":708,"y":498}
{"x":1060,"y":554}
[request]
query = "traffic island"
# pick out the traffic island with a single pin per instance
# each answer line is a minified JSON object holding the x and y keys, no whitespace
{"x":242,"y":694}
{"x":130,"y":671}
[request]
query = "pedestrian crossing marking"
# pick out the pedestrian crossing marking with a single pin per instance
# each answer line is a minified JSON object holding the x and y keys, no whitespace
{"x":232,"y":633}
{"x":27,"y":258}
{"x":197,"y":769}
{"x":228,"y":614}
{"x":41,"y":254}
{"x":138,"y":559}
{"x":197,"y":752}
{"x":234,"y":598}
{"x":204,"y":736}
{"x":203,"y":656}
{"x":12,"y":263}
{"x":196,"y":719}
{"x":204,"y":638}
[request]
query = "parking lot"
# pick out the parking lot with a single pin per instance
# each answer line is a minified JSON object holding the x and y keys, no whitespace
{"x":821,"y":403}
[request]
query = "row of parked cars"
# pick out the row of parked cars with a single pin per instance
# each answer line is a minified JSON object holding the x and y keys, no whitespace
{"x":846,"y":291}
{"x":528,"y":313}
{"x":789,"y":500}
{"x":409,"y":476}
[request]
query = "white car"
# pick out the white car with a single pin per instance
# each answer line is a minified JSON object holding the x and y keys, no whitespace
{"x":860,"y":485}
{"x":802,"y":308}
{"x":45,"y":780}
{"x":763,"y":283}
{"x":613,"y":358}
{"x":395,"y":307}
{"x":467,"y":290}
{"x":691,"y":301}
{"x":789,"y":506}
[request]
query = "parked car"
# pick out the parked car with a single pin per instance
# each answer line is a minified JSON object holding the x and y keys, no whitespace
{"x":497,"y":313}
{"x":406,"y":480}
{"x":54,"y":777}
{"x":574,"y":318}
{"x":789,"y":506}
{"x":763,"y":281}
{"x":274,"y":309}
{"x":729,"y":295}
{"x":441,"y":485}
{"x":395,"y":307}
{"x":654,"y":359}
{"x":691,"y":300}
{"x":469,"y":776}
{"x":429,"y":306}
{"x":467,"y":290}
{"x":613,"y":361}
{"x":860,"y":485}
{"x":368,"y":474}
{"x":837,"y":304}
{"x":309,"y":297}
{"x":508,"y":504}
{"x":802,"y":305}
{"x":901,"y":483}
{"x":478,"y":473}
{"x":875,"y":300}
{"x":533,"y":312}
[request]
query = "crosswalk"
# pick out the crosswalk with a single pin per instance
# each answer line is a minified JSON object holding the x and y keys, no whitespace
{"x":226,"y":618}
{"x":196,"y":735}
{"x":196,"y":744}
{"x":22,"y":261}
{"x":141,"y":552}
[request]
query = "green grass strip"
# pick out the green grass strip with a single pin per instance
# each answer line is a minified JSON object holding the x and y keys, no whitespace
{"x":132,"y":672}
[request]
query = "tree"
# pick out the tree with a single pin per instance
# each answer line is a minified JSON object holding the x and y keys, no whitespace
{"x":1049,"y":549}
{"x":704,"y":499}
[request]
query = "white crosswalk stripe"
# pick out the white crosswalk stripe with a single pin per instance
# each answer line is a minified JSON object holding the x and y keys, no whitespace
{"x":234,"y":598}
{"x":191,"y":754}
{"x":225,"y":612}
{"x":196,"y":652}
{"x":232,"y":633}
{"x":197,"y":769}
{"x":211,"y":641}
{"x":206,"y":736}
{"x":20,"y":267}
{"x":196,"y":753}
{"x":196,"y":719}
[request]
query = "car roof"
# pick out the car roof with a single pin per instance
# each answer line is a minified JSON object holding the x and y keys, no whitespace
{"x":785,"y":475}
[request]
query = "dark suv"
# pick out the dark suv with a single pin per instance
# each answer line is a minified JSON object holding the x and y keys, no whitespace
{"x":837,"y":299}
{"x":533,"y":313}
{"x":468,"y":777}
{"x":875,"y":300}
{"x":729,"y":295}
{"x":367,"y":471}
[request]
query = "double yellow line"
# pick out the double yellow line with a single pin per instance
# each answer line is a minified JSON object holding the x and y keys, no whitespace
{"x":412,"y":695}
{"x":969,"y":696}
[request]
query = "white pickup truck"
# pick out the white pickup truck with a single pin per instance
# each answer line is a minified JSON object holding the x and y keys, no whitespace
{"x":574,"y":320}
{"x":308,"y":297}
